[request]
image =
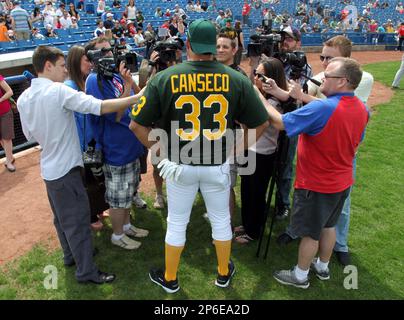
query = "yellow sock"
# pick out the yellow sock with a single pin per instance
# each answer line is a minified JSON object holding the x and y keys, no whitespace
{"x":223,"y":249}
{"x":173,"y":255}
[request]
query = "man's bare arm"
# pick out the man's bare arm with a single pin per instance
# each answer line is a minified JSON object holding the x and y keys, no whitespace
{"x":142,"y":133}
{"x":115,"y":105}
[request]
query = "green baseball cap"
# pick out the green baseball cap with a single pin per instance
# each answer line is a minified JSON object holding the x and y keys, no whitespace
{"x":202,"y":36}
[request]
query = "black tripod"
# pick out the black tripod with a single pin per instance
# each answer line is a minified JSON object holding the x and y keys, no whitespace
{"x":277,"y":171}
{"x":280,"y":161}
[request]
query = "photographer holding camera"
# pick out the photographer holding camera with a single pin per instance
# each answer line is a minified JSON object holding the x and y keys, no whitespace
{"x":121,"y":150}
{"x":290,"y":42}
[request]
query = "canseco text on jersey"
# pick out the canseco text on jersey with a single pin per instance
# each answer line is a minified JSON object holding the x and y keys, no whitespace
{"x":200,"y":82}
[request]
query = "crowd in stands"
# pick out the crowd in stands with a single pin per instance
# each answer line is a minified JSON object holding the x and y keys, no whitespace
{"x":317,"y":17}
{"x":309,"y":16}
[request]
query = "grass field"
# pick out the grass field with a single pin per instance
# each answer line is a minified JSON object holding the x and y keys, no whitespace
{"x":376,"y":240}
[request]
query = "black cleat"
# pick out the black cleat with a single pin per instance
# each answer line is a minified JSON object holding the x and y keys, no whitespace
{"x":224,"y":281}
{"x":157,"y":276}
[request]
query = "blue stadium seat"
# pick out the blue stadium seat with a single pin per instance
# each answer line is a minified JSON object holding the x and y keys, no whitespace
{"x":13,"y":49}
{"x":89,"y":8}
{"x":39,"y":42}
{"x":62,"y":32}
{"x":69,"y":39}
{"x":55,"y":41}
{"x":5,"y":44}
{"x":26,"y":44}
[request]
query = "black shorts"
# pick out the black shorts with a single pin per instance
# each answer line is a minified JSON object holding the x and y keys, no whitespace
{"x":312,"y":211}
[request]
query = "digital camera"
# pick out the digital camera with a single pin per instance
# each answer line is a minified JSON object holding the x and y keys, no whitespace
{"x":92,"y":157}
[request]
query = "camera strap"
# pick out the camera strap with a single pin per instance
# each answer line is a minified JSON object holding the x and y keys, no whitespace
{"x":305,"y":87}
{"x":99,"y":83}
{"x":84,"y":132}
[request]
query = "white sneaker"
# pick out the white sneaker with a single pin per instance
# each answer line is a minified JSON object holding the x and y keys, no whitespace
{"x":139,"y":202}
{"x":126,"y":243}
{"x":159,"y":202}
{"x":136,"y":232}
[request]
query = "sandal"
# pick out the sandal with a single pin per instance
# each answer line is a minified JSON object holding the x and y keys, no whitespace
{"x":97,"y":226}
{"x":10,"y":167}
{"x":243,"y":239}
{"x":239,"y":229}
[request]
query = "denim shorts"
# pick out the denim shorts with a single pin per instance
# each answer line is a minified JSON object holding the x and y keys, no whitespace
{"x":313,"y":211}
{"x":120,"y":183}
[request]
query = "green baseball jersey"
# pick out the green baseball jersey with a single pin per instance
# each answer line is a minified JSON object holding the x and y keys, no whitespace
{"x":196,"y":103}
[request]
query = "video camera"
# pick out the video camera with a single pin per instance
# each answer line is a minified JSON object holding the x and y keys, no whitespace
{"x":297,"y":61}
{"x":267,"y":44}
{"x":107,"y":66}
{"x":167,"y":50}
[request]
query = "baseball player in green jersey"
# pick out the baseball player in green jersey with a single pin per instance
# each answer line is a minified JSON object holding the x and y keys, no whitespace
{"x":197,"y":103}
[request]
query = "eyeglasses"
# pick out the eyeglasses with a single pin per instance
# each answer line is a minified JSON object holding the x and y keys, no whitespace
{"x":328,"y":76}
{"x":328,"y":58}
{"x":259,"y":75}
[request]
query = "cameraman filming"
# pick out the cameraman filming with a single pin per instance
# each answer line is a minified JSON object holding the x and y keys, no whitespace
{"x":165,"y":53}
{"x":120,"y":148}
{"x":290,"y":41}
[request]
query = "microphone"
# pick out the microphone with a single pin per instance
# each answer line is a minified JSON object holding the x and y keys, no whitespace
{"x":316,"y":82}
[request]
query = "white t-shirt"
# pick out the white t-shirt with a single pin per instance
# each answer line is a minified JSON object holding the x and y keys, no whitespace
{"x":131,"y":13}
{"x":362,"y":91}
{"x":48,"y":19}
{"x":99,"y":32}
{"x":268,"y":141}
{"x":46,"y":113}
{"x":65,"y":22}
{"x":139,"y":40}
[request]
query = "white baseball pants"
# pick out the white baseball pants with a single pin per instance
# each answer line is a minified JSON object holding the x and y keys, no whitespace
{"x":214,"y":183}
